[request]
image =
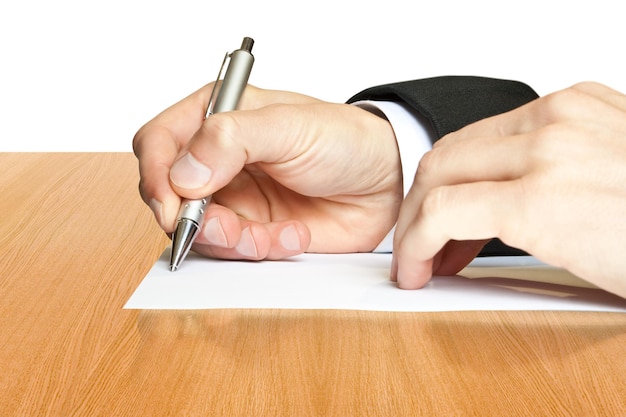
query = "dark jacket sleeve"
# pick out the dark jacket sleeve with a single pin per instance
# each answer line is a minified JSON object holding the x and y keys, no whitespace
{"x":451,"y":102}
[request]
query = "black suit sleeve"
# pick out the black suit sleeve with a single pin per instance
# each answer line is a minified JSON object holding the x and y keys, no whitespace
{"x":451,"y":102}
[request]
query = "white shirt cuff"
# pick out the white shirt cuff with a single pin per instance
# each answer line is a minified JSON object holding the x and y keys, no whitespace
{"x":414,"y":136}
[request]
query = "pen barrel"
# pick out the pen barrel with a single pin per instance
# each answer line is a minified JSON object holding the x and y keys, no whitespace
{"x":193,"y":210}
{"x":234,"y":82}
{"x":227,"y":93}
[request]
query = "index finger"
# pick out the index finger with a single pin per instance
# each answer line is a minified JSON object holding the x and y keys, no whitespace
{"x":156,"y":145}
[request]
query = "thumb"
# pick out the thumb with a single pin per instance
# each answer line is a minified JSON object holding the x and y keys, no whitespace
{"x":224,"y":144}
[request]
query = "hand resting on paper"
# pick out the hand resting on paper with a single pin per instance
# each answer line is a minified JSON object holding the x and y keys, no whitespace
{"x":548,"y":178}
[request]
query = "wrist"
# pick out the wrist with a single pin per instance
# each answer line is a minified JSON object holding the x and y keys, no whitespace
{"x":414,"y":137}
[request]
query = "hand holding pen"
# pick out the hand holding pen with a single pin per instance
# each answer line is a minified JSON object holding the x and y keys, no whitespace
{"x":287,"y":173}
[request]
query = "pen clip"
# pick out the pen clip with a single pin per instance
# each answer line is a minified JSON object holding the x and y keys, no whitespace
{"x":218,"y":84}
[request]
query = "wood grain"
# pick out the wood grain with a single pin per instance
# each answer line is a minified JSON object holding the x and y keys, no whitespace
{"x":76,"y":241}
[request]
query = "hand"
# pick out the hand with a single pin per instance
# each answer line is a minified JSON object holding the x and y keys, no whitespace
{"x":548,"y":178}
{"x":288,"y":174}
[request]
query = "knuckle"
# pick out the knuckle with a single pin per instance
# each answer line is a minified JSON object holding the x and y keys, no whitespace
{"x":569,"y":104}
{"x":220,"y":128}
{"x":139,"y":139}
{"x":428,"y":163}
{"x":557,"y":105}
{"x":143,"y":193}
{"x":434,"y":203}
{"x":588,"y":86}
{"x":552,"y":142}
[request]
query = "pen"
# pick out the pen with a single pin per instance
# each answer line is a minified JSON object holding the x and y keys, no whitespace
{"x":225,"y":96}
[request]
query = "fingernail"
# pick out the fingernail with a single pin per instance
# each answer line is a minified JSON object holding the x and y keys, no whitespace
{"x":190,"y":173}
{"x":246,"y":246}
{"x":214,"y":233}
{"x":289,"y":238}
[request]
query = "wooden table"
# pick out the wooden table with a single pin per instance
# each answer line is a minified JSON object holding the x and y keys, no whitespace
{"x":76,"y":241}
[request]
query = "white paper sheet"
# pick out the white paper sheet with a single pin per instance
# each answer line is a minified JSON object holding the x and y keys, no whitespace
{"x":361,"y":282}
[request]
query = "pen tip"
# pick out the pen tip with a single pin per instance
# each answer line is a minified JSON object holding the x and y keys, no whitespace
{"x":182,"y":239}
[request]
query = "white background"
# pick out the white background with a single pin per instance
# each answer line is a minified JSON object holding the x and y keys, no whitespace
{"x":84,"y":76}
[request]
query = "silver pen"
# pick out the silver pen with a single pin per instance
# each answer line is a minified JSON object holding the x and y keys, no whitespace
{"x":225,"y":96}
